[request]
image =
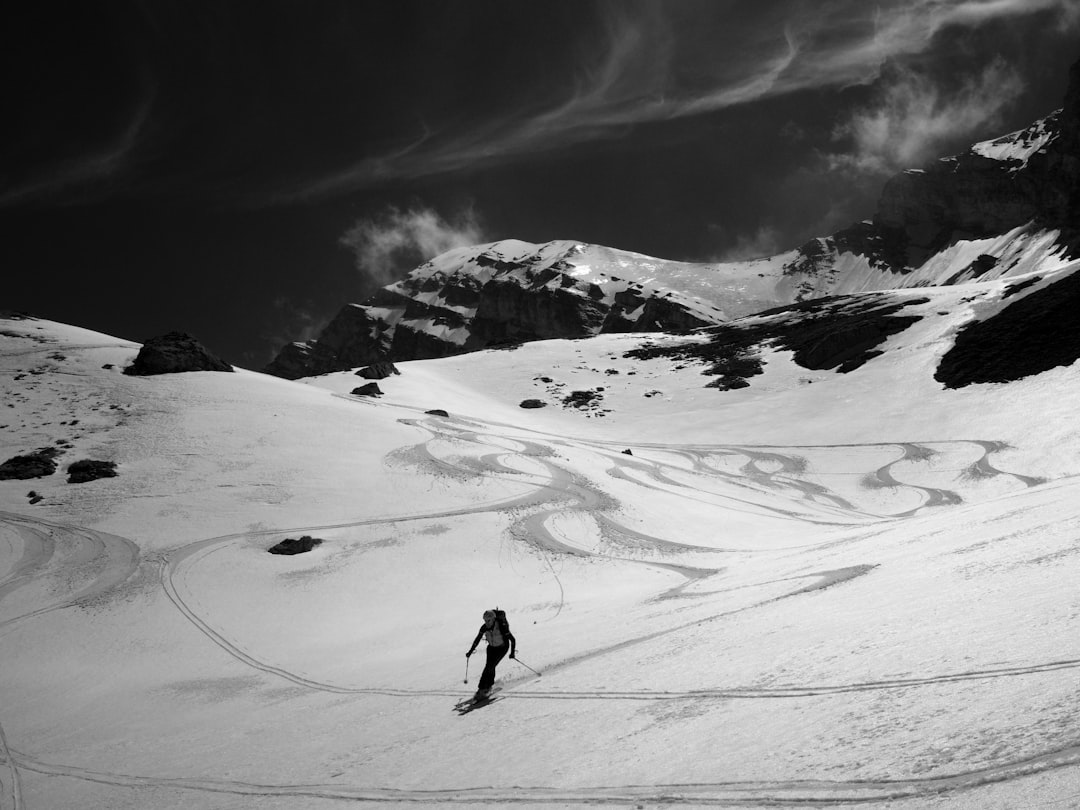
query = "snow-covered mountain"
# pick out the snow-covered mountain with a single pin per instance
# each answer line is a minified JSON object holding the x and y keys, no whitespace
{"x":511,"y":291}
{"x":1005,"y":208}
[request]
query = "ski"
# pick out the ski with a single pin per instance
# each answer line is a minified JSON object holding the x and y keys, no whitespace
{"x":476,"y":701}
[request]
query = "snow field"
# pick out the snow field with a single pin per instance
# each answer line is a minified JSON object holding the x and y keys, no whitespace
{"x":852,"y":589}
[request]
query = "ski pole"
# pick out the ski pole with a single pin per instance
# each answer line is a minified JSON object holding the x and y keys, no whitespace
{"x":526,"y":665}
{"x":466,"y":669}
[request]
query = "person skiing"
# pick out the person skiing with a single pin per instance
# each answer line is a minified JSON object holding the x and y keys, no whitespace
{"x":496,"y":629}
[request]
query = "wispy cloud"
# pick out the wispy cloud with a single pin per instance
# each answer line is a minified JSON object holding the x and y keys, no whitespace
{"x":914,"y":117}
{"x":650,"y":64}
{"x":389,"y":245}
{"x":75,"y":178}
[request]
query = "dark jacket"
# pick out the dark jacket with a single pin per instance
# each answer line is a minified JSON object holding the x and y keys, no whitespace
{"x":504,"y":631}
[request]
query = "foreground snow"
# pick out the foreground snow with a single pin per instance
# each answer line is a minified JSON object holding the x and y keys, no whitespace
{"x":820,"y":589}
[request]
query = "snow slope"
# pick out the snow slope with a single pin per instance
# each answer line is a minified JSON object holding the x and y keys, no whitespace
{"x":822,"y":588}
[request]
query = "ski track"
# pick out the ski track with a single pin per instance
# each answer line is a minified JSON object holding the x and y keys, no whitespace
{"x":555,"y":491}
{"x":796,"y":793}
{"x":14,"y":787}
{"x":117,"y":557}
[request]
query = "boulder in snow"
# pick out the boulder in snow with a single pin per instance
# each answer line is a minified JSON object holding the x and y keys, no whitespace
{"x":369,"y":390}
{"x":293,"y":546}
{"x":38,"y":464}
{"x":174,"y":353}
{"x":89,"y":470}
{"x":378,"y":371}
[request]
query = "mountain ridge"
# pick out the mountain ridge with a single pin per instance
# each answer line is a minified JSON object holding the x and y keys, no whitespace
{"x":1005,"y":207}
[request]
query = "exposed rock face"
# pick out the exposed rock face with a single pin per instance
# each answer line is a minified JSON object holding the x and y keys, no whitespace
{"x":840,"y":333}
{"x":1031,"y":175}
{"x":174,"y":353}
{"x":1036,"y":332}
{"x":494,"y":295}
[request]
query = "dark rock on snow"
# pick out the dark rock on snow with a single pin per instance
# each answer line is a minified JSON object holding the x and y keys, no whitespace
{"x":378,"y":371}
{"x":293,"y":546}
{"x":174,"y":353}
{"x":38,"y":464}
{"x":1035,"y":333}
{"x":436,"y":412}
{"x":840,"y":333}
{"x":88,"y":470}
{"x":533,"y":403}
{"x":369,"y":390}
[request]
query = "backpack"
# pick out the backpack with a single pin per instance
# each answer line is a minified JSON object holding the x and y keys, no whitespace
{"x":500,"y":619}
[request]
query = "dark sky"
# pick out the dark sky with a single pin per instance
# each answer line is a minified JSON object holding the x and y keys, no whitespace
{"x":239,"y":170}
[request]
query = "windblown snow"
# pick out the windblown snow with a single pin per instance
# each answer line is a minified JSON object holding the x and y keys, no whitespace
{"x":819,"y":589}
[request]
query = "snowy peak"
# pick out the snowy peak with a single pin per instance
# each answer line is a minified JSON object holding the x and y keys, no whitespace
{"x":510,"y":292}
{"x":1005,"y":208}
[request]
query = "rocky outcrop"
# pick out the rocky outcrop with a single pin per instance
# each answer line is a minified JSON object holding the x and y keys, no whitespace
{"x":840,"y":333}
{"x":174,"y":353}
{"x":1036,"y":332}
{"x":1028,"y":176}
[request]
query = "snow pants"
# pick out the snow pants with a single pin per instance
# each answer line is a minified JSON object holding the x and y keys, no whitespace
{"x":494,"y":656}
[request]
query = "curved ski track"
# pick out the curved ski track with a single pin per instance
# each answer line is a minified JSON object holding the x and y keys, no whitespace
{"x":556,"y":490}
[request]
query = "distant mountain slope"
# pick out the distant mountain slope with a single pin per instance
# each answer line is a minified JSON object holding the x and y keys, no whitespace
{"x":512,"y":291}
{"x":1006,"y":207}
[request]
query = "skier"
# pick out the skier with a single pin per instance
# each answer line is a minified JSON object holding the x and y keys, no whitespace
{"x":499,"y":638}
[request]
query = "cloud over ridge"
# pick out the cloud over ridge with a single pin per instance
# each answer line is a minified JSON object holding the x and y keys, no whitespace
{"x":652,"y":62}
{"x":395,"y":241}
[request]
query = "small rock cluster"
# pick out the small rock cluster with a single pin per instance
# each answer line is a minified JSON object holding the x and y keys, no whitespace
{"x":42,"y":463}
